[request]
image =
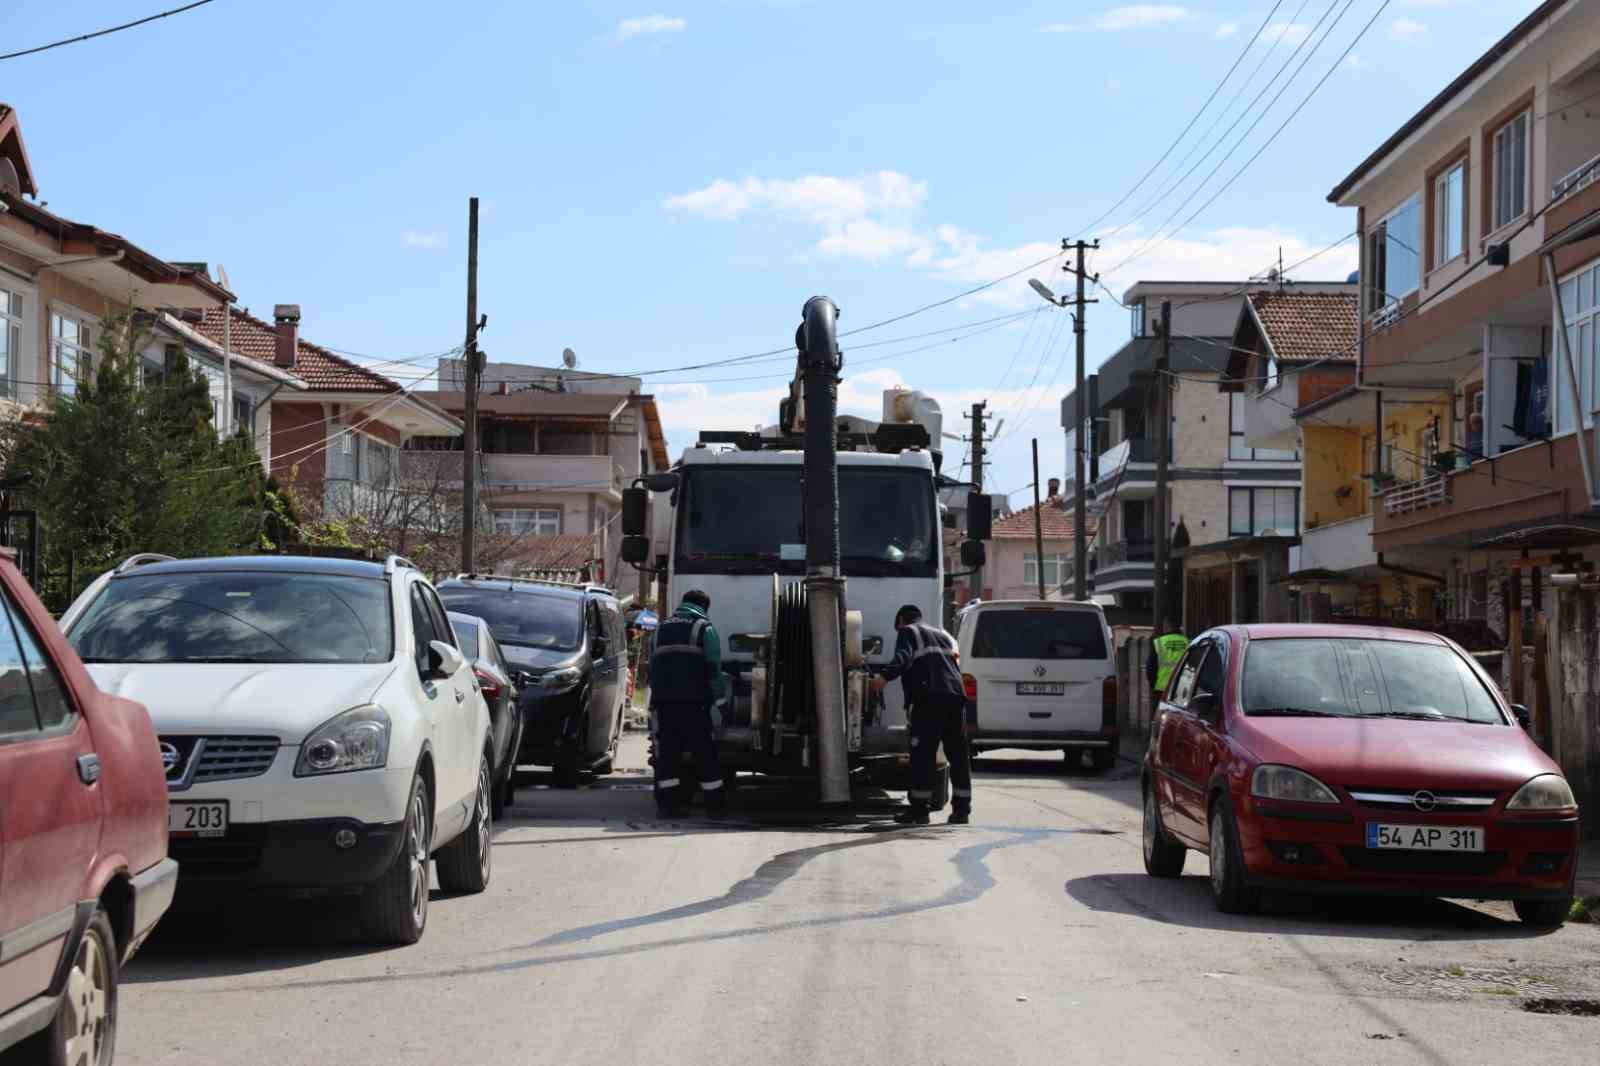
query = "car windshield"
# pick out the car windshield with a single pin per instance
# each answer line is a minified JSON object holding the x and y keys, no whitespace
{"x":237,"y":616}
{"x":1032,"y":633}
{"x":748,"y":519}
{"x":467,"y":637}
{"x":1365,"y":678}
{"x":520,"y":618}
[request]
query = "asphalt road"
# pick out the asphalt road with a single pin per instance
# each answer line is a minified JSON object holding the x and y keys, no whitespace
{"x":1032,"y":936}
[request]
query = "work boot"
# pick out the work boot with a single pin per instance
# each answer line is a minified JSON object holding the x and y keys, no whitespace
{"x":917,"y":815}
{"x":958,"y":818}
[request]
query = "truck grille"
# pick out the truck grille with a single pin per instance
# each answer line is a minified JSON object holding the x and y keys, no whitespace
{"x":191,"y":759}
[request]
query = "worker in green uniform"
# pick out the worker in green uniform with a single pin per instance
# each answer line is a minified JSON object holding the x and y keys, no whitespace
{"x":1166,"y":652}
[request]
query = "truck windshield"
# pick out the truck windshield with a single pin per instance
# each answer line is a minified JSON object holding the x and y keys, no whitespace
{"x":748,"y":520}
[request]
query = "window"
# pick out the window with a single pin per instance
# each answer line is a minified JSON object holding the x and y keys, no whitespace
{"x":521,"y":619}
{"x":70,"y":353}
{"x":1511,"y":171}
{"x":1262,"y":512}
{"x":1394,"y":255}
{"x":1271,"y":374}
{"x":1183,"y":687}
{"x":1055,"y":568}
{"x":10,"y":338}
{"x":244,"y":415}
{"x":1474,"y":434}
{"x":1580,"y":302}
{"x":422,"y":628}
{"x":1210,"y":678}
{"x":1450,"y":213}
{"x":535,"y":522}
{"x":1138,"y":318}
{"x":347,"y":442}
{"x":1240,"y":451}
{"x":467,"y":639}
{"x":49,"y":697}
{"x":1034,"y":633}
{"x":1359,"y":677}
{"x":17,"y":717}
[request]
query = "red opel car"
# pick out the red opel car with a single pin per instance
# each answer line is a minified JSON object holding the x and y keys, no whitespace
{"x":84,"y":873}
{"x":1323,"y":758}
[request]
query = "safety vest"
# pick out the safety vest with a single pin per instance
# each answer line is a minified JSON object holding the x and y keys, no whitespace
{"x":1169,"y":652}
{"x":679,"y":671}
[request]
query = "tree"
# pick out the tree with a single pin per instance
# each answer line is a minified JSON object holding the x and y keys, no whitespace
{"x":130,"y":461}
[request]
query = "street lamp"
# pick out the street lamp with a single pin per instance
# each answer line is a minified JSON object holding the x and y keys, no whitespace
{"x":1044,"y":290}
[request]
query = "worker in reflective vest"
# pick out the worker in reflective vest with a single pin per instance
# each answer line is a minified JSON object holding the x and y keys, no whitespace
{"x":1166,"y":652}
{"x":685,"y":680}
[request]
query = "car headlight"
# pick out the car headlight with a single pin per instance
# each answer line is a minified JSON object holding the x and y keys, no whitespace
{"x":556,"y":680}
{"x":357,"y":739}
{"x":1287,"y":783}
{"x":1547,"y":792}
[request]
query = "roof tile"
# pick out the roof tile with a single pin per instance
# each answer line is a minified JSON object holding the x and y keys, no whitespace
{"x":1055,"y":522}
{"x":320,"y":369}
{"x":1309,"y":326}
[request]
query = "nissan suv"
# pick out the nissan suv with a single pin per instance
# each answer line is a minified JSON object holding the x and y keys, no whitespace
{"x":320,"y":730}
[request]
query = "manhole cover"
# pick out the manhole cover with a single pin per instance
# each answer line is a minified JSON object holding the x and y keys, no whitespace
{"x":1583,"y":1008}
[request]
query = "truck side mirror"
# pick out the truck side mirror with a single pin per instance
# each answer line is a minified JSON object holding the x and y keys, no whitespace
{"x":980,"y":516}
{"x":635,"y":550}
{"x":663,"y":482}
{"x":635,"y":512}
{"x":972,"y":553}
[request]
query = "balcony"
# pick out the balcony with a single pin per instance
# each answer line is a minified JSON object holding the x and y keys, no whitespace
{"x":1579,"y":178}
{"x":1129,"y":468}
{"x":1122,"y":552}
{"x":558,"y":473}
{"x":1408,"y":496}
{"x":1338,"y":546}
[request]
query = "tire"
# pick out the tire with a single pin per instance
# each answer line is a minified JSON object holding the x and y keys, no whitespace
{"x":84,"y":1031}
{"x":467,"y":861}
{"x":1102,"y":759}
{"x":1543,"y":913}
{"x":568,"y":770}
{"x":1228,"y":889}
{"x":1072,"y":759}
{"x":394,"y":908}
{"x":1163,"y":856}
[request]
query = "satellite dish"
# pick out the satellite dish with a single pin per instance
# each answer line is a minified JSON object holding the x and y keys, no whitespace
{"x":569,"y":358}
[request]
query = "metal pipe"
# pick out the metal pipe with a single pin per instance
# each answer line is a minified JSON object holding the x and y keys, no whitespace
{"x":820,"y":361}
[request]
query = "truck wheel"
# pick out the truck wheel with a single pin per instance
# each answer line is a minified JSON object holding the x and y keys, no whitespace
{"x":84,"y":1032}
{"x":394,"y":909}
{"x":465,"y":862}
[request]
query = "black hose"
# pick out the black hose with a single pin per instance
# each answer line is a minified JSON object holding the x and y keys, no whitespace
{"x":819,"y":362}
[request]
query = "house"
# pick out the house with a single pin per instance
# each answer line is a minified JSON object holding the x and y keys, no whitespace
{"x":558,"y":446}
{"x":1011,"y":571}
{"x":1238,"y":503}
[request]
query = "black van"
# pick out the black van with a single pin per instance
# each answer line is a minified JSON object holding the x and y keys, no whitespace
{"x":568,"y":654}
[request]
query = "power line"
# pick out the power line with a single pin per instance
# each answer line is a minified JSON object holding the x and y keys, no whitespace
{"x":105,"y":32}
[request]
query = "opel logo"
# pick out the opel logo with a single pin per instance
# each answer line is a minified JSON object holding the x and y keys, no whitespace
{"x":1038,"y":671}
{"x":169,"y":756}
{"x":1424,"y":800}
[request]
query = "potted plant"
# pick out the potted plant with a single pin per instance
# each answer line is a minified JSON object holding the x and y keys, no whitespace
{"x":1444,"y":461}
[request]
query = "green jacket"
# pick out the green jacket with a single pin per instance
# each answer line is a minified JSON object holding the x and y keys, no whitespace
{"x":713,"y":648}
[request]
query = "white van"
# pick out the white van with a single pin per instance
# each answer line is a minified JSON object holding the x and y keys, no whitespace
{"x":1043,"y":677}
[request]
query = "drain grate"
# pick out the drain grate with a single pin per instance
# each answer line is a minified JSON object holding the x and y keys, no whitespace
{"x":1576,"y":1008}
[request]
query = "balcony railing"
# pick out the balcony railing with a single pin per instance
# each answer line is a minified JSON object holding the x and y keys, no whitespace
{"x":1579,"y":178}
{"x":1127,"y":551}
{"x":1411,"y":496}
{"x":1132,"y":450}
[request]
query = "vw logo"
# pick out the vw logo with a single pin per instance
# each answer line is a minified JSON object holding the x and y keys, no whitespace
{"x":1424,"y":800}
{"x":169,"y":756}
{"x":1038,"y":671}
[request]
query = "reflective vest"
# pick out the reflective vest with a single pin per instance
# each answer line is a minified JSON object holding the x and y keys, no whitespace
{"x":679,"y":671}
{"x":1169,"y":652}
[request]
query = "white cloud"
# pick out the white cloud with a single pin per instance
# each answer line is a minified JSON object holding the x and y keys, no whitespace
{"x":1118,"y":19}
{"x":1288,"y":32}
{"x":869,"y":239}
{"x":1226,"y":30}
{"x":1404,"y":29}
{"x":419,"y":239}
{"x":819,"y":199}
{"x":647,"y":25}
{"x":1231,"y":253}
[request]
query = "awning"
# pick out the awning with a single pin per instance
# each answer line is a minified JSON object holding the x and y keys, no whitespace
{"x":1316,"y":576}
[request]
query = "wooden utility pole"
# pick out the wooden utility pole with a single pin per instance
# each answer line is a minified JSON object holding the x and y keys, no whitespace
{"x":975,"y":587}
{"x":1080,"y":521}
{"x":1163,"y":446}
{"x":469,"y":446}
{"x":1038,"y":522}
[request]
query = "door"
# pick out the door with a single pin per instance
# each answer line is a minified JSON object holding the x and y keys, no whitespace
{"x":602,"y":683}
{"x":49,"y":810}
{"x":1174,"y":788}
{"x":1199,"y":738}
{"x":1039,"y":670}
{"x":467,"y":731}
{"x":619,"y":663}
{"x":510,"y":714}
{"x":437,"y":699}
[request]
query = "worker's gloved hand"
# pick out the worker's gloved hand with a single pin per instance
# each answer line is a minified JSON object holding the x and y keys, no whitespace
{"x":878,"y":684}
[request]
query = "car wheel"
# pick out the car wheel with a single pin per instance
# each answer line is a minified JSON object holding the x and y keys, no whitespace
{"x":1228,"y":889}
{"x":1543,"y":913}
{"x":394,"y":909}
{"x":570,"y":763}
{"x":466,"y":862}
{"x":1073,"y":759}
{"x":84,"y":1032}
{"x":1163,"y":856}
{"x":1102,"y":759}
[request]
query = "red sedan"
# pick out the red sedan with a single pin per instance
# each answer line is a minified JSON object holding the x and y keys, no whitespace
{"x":1322,"y":758}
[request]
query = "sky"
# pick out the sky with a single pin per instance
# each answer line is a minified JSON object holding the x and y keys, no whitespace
{"x":665,"y":183}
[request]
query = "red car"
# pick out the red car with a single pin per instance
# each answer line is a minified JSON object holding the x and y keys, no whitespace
{"x":1322,"y":758}
{"x":84,"y":873}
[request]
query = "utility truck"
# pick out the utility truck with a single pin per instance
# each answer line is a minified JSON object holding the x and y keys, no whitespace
{"x":808,"y":536}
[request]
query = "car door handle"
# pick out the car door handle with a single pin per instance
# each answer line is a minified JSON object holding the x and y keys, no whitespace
{"x":89,"y":768}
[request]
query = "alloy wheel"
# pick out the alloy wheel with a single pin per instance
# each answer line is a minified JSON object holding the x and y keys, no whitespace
{"x":482,"y":814}
{"x":417,"y":856}
{"x":1218,"y":851}
{"x":87,"y":1004}
{"x":1149,"y":825}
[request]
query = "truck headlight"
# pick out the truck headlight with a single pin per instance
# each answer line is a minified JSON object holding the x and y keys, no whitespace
{"x":557,"y":680}
{"x":357,"y":739}
{"x":1547,"y":792}
{"x":1287,"y":783}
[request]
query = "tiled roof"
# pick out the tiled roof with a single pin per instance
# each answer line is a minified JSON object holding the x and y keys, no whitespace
{"x":570,"y":551}
{"x":1309,"y":326}
{"x":1055,"y":521}
{"x":318,"y":367}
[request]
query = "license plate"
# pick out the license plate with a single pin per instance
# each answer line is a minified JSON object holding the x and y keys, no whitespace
{"x":1424,"y":837}
{"x":197,"y":819}
{"x":1041,"y":688}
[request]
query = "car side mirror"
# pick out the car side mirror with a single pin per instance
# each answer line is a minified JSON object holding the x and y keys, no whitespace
{"x":635,"y":512}
{"x":1523,"y":717}
{"x":1205,"y":705}
{"x":443,"y":661}
{"x":972,"y":553}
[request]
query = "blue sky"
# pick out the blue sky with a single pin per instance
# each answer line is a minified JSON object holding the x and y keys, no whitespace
{"x":666,"y":185}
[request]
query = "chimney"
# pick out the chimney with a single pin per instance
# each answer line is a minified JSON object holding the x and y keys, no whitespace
{"x":286,"y":322}
{"x":1055,"y":487}
{"x":503,"y":389}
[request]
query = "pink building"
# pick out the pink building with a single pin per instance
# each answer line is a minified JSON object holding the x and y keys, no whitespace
{"x":1012,"y":569}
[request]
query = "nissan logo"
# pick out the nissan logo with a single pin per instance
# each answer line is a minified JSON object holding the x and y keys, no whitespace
{"x":1424,"y":800}
{"x":169,"y":756}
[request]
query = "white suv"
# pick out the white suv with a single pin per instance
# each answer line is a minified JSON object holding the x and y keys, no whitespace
{"x":320,"y":730}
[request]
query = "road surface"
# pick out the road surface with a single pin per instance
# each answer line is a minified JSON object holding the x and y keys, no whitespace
{"x":1032,"y":936}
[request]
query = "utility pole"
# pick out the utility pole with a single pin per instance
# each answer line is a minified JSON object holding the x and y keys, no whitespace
{"x":975,"y":579}
{"x":469,"y":446}
{"x":1038,"y":523}
{"x":1163,"y":446}
{"x":1080,"y":521}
